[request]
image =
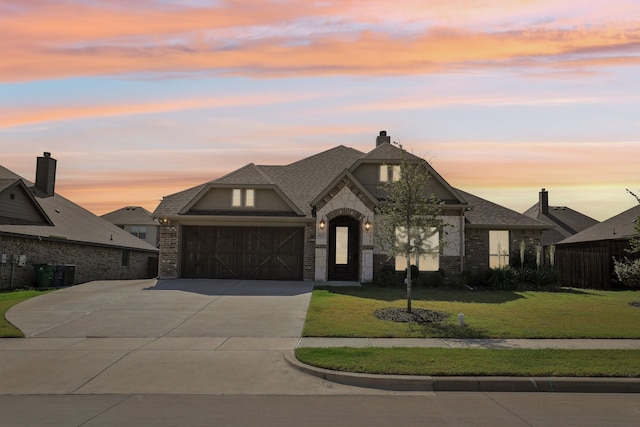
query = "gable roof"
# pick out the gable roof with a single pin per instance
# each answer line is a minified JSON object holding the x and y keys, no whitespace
{"x":385,"y":152}
{"x":296,"y":181}
{"x":565,"y":221}
{"x":130,"y":215}
{"x":485,"y":214}
{"x":71,"y":223}
{"x":619,"y":227}
{"x":307,"y":181}
{"x":9,"y":184}
{"x":348,"y":180}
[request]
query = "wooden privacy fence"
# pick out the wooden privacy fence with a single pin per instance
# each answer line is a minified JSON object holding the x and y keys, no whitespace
{"x":584,"y":270}
{"x":589,"y":265}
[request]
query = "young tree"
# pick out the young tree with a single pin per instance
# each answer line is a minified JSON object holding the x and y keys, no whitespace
{"x":408,"y":217}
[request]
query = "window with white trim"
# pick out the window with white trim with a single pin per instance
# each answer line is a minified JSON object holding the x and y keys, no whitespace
{"x":430,"y":259}
{"x":498,"y":248}
{"x":243,"y":197}
{"x":389,"y":172}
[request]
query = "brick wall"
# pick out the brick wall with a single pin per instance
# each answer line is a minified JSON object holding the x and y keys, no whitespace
{"x":476,"y":246}
{"x":91,"y":262}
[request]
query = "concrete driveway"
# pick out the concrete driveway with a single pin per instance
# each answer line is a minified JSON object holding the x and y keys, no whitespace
{"x":161,"y":337}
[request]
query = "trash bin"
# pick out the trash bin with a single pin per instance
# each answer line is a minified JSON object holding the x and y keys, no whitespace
{"x":58,"y":276}
{"x":69,"y":275}
{"x":44,"y":275}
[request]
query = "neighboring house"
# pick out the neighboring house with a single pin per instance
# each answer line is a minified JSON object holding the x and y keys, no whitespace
{"x":137,"y":221}
{"x":565,"y":221}
{"x":38,"y":226}
{"x":314,"y":220}
{"x":586,"y":258}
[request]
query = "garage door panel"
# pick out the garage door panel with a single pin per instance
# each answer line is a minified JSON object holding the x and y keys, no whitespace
{"x":243,"y":252}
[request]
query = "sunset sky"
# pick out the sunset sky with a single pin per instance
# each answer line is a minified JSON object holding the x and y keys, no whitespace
{"x":140,"y":99}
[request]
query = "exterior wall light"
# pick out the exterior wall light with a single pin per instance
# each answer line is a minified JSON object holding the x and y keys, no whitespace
{"x":367,"y":225}
{"x":322,"y":224}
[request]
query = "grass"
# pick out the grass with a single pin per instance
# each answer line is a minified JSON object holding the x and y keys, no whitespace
{"x":475,"y":362}
{"x":348,"y":312}
{"x":8,"y":300}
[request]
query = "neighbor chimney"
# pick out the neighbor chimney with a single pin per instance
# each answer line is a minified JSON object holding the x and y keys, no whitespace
{"x":382,"y":138}
{"x":544,"y":202}
{"x":46,"y":175}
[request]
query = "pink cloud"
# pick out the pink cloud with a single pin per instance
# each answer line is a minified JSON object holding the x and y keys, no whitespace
{"x":75,"y":39}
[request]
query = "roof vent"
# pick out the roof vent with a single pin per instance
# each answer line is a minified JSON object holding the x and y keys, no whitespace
{"x":382,"y":138}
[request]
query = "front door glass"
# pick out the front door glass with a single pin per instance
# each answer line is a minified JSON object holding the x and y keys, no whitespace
{"x":342,"y":245}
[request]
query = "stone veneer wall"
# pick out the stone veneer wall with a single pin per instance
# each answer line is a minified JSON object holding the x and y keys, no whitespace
{"x":91,"y":262}
{"x":169,"y":251}
{"x":309,"y":252}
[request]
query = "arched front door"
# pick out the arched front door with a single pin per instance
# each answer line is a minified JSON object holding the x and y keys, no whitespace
{"x":344,"y":248}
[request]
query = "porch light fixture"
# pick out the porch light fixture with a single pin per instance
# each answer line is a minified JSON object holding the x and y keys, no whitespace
{"x":367,"y":225}
{"x":322,"y":224}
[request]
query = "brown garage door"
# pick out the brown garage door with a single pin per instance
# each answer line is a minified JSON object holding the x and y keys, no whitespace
{"x":254,"y":253}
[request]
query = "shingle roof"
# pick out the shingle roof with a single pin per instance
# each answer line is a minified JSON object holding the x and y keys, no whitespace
{"x":485,"y":214}
{"x":72,"y":223}
{"x":305,"y":179}
{"x":130,"y":215}
{"x":619,"y":227}
{"x":300,"y":181}
{"x":387,"y":152}
{"x":566,"y":222}
{"x":247,"y":175}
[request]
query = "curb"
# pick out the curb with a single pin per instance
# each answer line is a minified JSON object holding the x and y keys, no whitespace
{"x":484,"y":384}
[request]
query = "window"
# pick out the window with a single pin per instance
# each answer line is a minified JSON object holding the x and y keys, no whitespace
{"x":249,"y":197}
{"x":498,"y":248}
{"x":237,"y":199}
{"x":139,"y":231}
{"x":429,"y":261}
{"x":388,"y":172}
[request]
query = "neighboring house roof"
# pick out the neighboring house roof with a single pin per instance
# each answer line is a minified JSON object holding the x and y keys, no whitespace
{"x":71,"y":223}
{"x":131,"y":215}
{"x":485,"y":214}
{"x":619,"y":227}
{"x":565,"y":221}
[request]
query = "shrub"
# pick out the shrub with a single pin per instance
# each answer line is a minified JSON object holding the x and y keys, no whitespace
{"x":505,"y":278}
{"x":431,"y":279}
{"x":628,"y":272}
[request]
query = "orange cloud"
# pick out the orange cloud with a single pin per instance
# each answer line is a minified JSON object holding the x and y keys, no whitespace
{"x":258,"y":39}
{"x":10,"y":117}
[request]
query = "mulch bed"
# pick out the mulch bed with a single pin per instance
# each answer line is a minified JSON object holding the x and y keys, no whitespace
{"x":418,"y":315}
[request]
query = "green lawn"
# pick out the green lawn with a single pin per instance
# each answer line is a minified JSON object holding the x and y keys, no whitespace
{"x":8,"y":300}
{"x":475,"y":362}
{"x":569,"y":313}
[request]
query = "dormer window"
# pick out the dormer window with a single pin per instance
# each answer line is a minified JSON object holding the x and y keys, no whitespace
{"x":243,"y":197}
{"x":389,"y":173}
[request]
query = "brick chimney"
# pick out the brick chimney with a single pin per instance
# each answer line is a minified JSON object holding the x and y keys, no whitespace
{"x":544,"y":202}
{"x":45,"y":175}
{"x":382,"y":138}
